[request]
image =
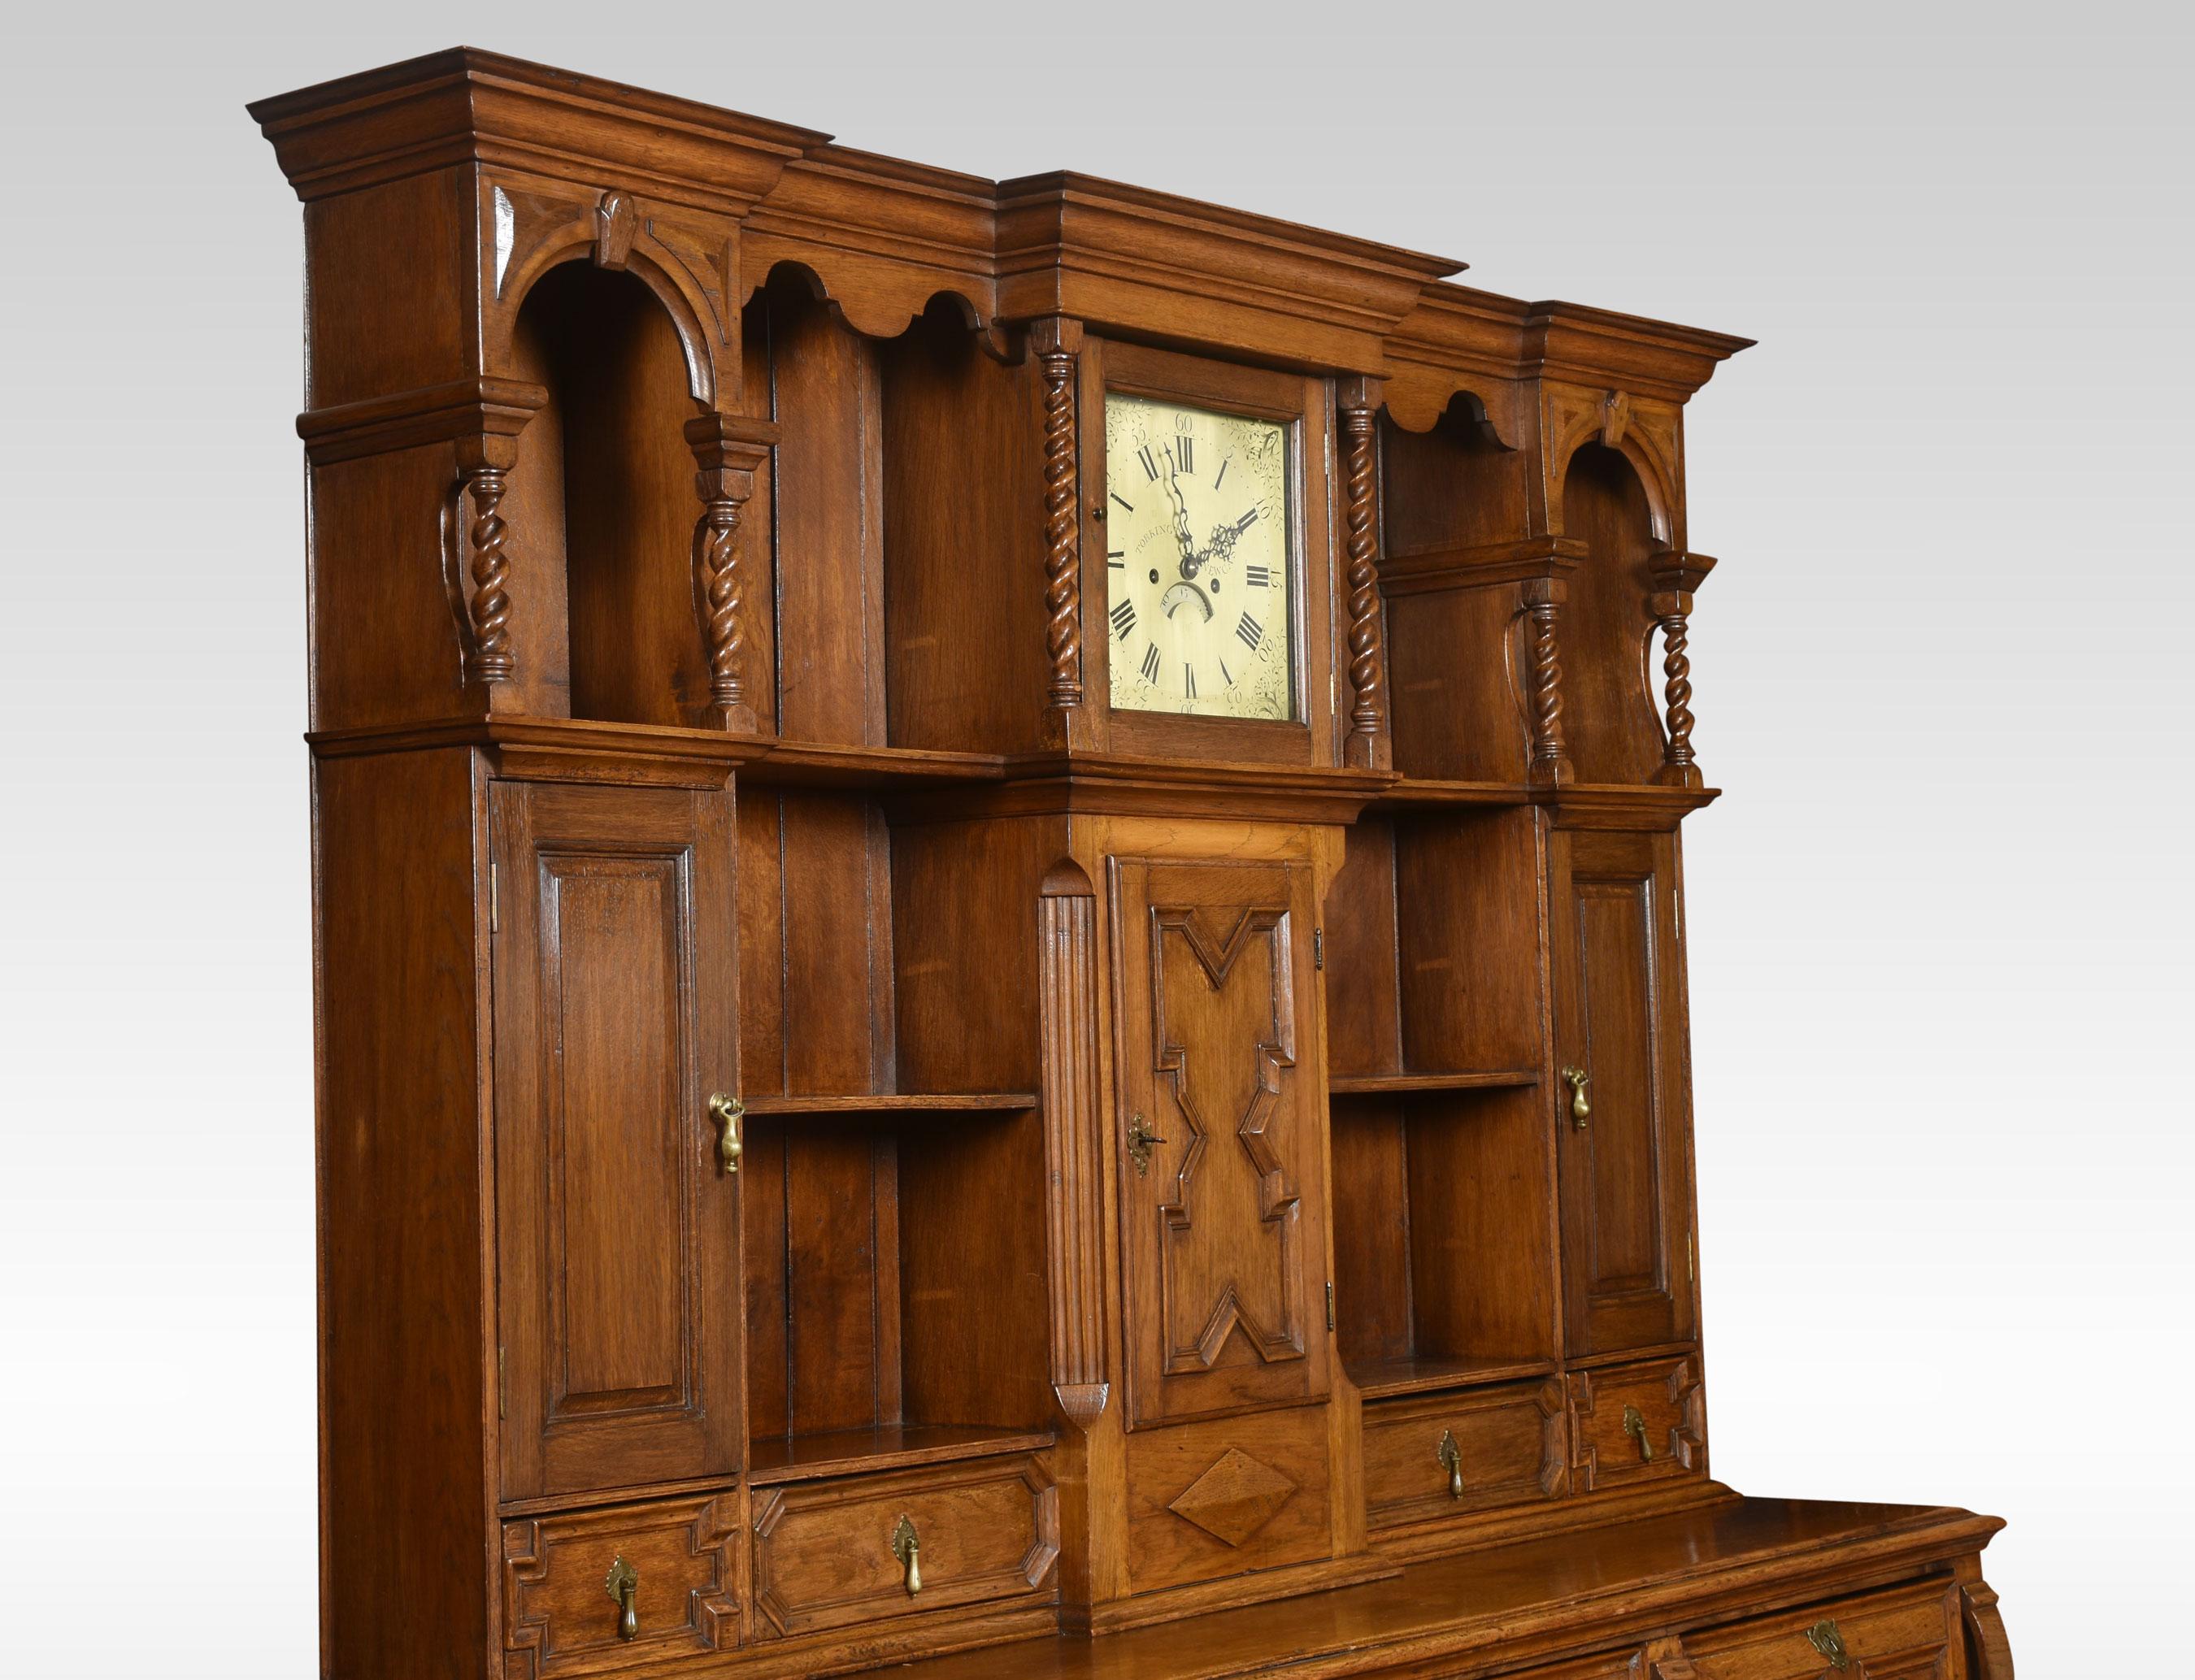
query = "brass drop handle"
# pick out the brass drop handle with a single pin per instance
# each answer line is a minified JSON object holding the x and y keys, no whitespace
{"x":1634,"y":1426}
{"x":726,"y":1113}
{"x":1141,"y":1139}
{"x":624,"y":1588}
{"x":1581,"y":1110}
{"x":907,"y":1548}
{"x":1824,"y":1636}
{"x":1451,"y":1460}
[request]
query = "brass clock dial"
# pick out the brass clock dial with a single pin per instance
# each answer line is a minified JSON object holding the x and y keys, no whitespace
{"x":1199,"y":562}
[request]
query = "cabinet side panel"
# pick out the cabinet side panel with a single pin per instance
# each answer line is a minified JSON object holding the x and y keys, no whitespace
{"x":402,"y":1387}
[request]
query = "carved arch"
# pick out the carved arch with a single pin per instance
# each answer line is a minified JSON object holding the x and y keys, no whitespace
{"x":1644,"y":434}
{"x":683,"y":268}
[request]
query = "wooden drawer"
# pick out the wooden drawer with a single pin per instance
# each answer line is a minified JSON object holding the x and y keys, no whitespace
{"x":558,"y":1616}
{"x":1636,"y":1423}
{"x":823,"y":1555}
{"x":1507,"y":1445}
{"x":1904,"y":1634}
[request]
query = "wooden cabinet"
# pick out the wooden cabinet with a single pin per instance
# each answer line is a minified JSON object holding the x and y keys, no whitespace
{"x":1623,"y":1100}
{"x":617,"y":1221}
{"x":1221,"y":1159}
{"x":999,"y":936}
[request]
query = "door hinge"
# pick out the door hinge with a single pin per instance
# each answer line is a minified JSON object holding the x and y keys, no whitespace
{"x":1318,"y":948}
{"x":494,"y":902}
{"x":502,"y":1384}
{"x":1330,"y":1304}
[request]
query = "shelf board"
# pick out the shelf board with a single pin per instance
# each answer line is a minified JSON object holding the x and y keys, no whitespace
{"x":802,"y":1458}
{"x":1381,"y":1378}
{"x":1420,"y":792}
{"x":969,"y":1103}
{"x":1410,"y":1084}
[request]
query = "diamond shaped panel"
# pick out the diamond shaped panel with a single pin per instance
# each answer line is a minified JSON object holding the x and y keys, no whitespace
{"x":1236,"y":1497}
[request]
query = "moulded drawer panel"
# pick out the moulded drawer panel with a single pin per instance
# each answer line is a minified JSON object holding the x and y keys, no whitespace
{"x":823,"y":1555}
{"x":1904,"y":1634}
{"x":1631,"y":1423}
{"x":558,"y":1615}
{"x":1508,"y":1450}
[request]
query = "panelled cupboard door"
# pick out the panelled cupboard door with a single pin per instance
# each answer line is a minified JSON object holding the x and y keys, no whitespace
{"x":1221,"y":1154}
{"x":618,"y":1225}
{"x":1620,"y":1023}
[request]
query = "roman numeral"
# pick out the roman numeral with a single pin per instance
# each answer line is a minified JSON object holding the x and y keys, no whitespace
{"x":1222,"y":478}
{"x":1189,"y":678}
{"x":1184,"y":452}
{"x":1124,"y":501}
{"x":1151,"y":663}
{"x":1150,"y":465}
{"x":1250,"y":632}
{"x":1113,"y":562}
{"x":1258,"y":577}
{"x":1124,"y":619}
{"x":1226,"y":675}
{"x":1246,"y":521}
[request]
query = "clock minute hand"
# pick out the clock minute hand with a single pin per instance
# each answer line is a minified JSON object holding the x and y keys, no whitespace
{"x":1181,"y":535}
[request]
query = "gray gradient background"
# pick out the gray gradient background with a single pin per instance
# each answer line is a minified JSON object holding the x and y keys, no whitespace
{"x":1940,"y":925}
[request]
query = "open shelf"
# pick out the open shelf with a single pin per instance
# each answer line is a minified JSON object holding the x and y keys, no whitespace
{"x":974,"y":1102}
{"x":800,"y":1458}
{"x":1410,"y":1084}
{"x":1380,"y":1379}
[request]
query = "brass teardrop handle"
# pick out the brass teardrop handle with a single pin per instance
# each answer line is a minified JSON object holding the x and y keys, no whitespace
{"x":1451,"y":1460}
{"x":907,"y":1548}
{"x":1634,"y":1426}
{"x":726,"y":1112}
{"x":1824,"y":1636}
{"x":624,"y":1587}
{"x":1581,"y":1110}
{"x":1141,"y":1140}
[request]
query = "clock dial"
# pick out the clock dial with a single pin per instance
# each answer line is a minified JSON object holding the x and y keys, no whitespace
{"x":1199,"y":562}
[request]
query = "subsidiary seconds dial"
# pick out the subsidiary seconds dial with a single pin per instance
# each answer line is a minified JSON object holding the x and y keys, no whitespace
{"x":1199,"y":563}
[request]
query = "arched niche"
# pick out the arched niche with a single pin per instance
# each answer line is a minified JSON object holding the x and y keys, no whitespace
{"x":602,"y":503}
{"x":1609,"y":716}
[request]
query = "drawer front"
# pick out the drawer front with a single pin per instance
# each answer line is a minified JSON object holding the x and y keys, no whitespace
{"x":824,"y":1552}
{"x":1631,"y":1423}
{"x":559,"y":1616}
{"x":1904,"y":1634}
{"x":1426,"y":1458}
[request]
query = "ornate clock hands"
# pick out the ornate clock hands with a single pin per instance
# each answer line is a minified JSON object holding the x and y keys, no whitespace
{"x":1188,"y":559}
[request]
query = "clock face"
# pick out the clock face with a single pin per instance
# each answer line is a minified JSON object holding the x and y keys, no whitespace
{"x":1199,"y":562}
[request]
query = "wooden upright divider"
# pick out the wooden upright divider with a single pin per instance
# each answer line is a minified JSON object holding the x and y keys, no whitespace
{"x":999,"y":936}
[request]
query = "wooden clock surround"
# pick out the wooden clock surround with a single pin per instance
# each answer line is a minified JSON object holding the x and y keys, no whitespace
{"x":839,"y":1149}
